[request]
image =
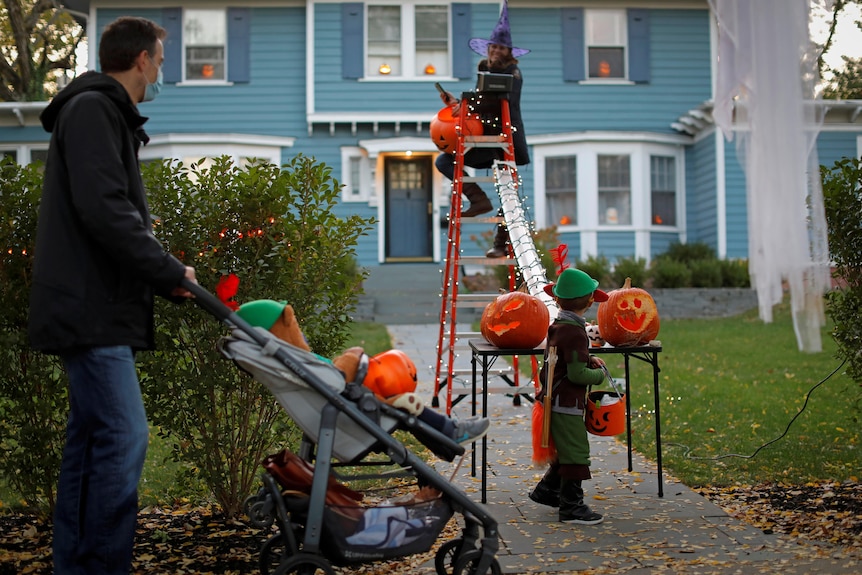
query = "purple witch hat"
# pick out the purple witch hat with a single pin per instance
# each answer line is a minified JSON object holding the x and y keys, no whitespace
{"x":501,"y":35}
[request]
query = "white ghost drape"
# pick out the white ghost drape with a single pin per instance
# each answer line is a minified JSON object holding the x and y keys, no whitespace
{"x":765,"y":98}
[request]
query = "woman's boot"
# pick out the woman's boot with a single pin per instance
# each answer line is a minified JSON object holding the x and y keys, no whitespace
{"x":547,"y":491}
{"x":501,"y":239}
{"x":572,"y":506}
{"x":479,"y":202}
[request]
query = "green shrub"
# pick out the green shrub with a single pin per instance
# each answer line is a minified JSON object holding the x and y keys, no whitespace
{"x":598,"y":268}
{"x":705,"y":273}
{"x":689,"y":252}
{"x":843,"y":203}
{"x":629,"y":267}
{"x":734,"y":273}
{"x":274,"y":228}
{"x":33,"y":393}
{"x":668,"y":273}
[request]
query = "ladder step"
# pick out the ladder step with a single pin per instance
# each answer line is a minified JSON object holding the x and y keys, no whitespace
{"x":475,"y":179}
{"x":496,"y":139}
{"x":491,"y":372}
{"x":484,"y":220}
{"x":483,"y":261}
{"x":511,"y":389}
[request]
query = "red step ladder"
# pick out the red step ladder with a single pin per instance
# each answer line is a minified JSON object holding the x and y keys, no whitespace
{"x":448,"y":336}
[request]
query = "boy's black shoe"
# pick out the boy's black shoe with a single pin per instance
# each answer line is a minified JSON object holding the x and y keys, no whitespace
{"x":544,"y":495}
{"x":582,"y":515}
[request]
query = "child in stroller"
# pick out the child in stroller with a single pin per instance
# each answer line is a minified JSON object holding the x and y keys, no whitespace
{"x":347,"y":423}
{"x":391,"y":375}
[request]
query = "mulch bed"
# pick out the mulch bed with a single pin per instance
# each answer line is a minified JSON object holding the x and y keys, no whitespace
{"x":187,"y":540}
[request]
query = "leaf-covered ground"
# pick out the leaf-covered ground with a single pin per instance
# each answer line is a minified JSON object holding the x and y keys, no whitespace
{"x":189,"y":540}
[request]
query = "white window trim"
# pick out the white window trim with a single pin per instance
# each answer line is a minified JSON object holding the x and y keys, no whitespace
{"x":587,"y":152}
{"x":220,"y":82}
{"x":23,"y":152}
{"x":365,"y":184}
{"x":237,"y":146}
{"x":590,"y":13}
{"x":408,"y":43}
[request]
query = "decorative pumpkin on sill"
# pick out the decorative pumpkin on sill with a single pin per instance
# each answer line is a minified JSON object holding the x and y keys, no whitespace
{"x":629,"y":317}
{"x":515,"y":320}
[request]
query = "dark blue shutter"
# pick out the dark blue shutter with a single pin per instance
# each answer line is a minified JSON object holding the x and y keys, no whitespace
{"x":574,"y":57}
{"x":172,"y":22}
{"x":238,"y":50}
{"x":462,"y":55}
{"x":352,"y":40}
{"x":638,"y":24}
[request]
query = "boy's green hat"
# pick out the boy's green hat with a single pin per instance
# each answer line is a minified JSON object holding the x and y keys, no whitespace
{"x":574,"y":283}
{"x":261,"y":313}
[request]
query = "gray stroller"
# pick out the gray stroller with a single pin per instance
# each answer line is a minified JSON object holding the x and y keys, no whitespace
{"x":321,"y":522}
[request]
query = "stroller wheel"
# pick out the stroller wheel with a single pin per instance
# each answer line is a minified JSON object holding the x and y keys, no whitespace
{"x":260,"y":513}
{"x":305,"y":564}
{"x":272,"y":553}
{"x":447,"y":555}
{"x":467,"y":563}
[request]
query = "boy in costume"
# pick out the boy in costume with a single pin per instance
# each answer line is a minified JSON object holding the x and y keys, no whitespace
{"x":279,"y":319}
{"x":574,"y":372}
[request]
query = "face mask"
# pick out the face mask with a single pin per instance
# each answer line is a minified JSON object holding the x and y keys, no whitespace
{"x":153,"y":89}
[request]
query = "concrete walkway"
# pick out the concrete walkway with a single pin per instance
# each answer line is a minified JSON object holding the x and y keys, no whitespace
{"x":681,"y":532}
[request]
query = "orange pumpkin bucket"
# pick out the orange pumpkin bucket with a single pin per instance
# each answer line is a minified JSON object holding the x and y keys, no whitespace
{"x":606,"y":410}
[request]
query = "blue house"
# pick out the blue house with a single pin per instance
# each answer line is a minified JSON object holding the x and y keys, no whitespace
{"x":616,"y":102}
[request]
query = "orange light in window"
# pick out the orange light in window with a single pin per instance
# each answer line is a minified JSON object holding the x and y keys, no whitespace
{"x":208,"y":70}
{"x":657,"y":220}
{"x":384,"y":69}
{"x":430,"y":69}
{"x":604,"y":69}
{"x":565,"y":220}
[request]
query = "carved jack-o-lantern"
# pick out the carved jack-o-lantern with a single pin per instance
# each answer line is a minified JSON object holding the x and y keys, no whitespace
{"x":629,"y":317}
{"x":445,"y":127}
{"x":607,"y":419}
{"x":515,"y":320}
{"x":594,"y":335}
{"x":391,"y":373}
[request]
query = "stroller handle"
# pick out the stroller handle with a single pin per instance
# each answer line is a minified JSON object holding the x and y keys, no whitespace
{"x":220,"y":311}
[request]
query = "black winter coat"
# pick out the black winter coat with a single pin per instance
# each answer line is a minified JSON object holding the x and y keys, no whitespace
{"x":97,"y":263}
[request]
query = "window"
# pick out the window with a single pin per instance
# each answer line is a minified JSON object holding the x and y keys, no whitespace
{"x":561,"y":190}
{"x":606,"y":43}
{"x":407,"y":40}
{"x":204,"y":40}
{"x":356,"y":175}
{"x":614,"y":190}
{"x":663,"y":190}
{"x":25,"y":153}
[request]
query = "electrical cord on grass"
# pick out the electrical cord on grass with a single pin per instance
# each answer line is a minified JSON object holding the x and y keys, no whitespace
{"x":768,"y":443}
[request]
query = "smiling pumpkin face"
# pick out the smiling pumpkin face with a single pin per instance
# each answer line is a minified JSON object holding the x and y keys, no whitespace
{"x":629,"y":317}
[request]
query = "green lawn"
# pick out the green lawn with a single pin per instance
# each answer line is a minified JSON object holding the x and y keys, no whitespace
{"x":729,"y":386}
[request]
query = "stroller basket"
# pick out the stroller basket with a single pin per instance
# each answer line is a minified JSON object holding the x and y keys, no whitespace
{"x":359,"y":534}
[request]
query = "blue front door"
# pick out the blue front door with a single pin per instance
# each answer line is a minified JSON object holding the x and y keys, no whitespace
{"x":408,"y":209}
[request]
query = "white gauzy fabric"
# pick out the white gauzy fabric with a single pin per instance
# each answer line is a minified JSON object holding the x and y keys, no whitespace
{"x":765,"y":98}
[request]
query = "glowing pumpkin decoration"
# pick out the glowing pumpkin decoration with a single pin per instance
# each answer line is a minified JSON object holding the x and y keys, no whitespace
{"x":391,"y":373}
{"x":629,"y":317}
{"x":515,"y":320}
{"x":445,"y":126}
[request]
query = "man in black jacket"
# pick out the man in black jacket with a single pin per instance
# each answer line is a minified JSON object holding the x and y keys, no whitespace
{"x":97,"y":267}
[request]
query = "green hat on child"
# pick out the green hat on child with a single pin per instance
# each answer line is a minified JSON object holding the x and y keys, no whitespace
{"x":574,"y":283}
{"x":261,"y":313}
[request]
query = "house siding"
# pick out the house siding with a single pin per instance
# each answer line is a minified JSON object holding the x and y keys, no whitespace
{"x":701,"y":205}
{"x":736,"y":202}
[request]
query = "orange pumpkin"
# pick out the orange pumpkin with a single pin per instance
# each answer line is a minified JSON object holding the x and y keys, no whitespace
{"x":445,"y":127}
{"x":609,"y":419}
{"x":515,"y":320}
{"x":629,"y":317}
{"x":391,"y":373}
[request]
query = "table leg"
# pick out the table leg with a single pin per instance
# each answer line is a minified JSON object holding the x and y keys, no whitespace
{"x":628,"y":412}
{"x":655,"y":371}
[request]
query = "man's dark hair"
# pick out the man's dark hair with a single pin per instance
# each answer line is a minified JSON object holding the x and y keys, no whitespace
{"x":125,"y":38}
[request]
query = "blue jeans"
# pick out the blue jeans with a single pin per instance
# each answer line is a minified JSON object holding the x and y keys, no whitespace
{"x":106,"y":444}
